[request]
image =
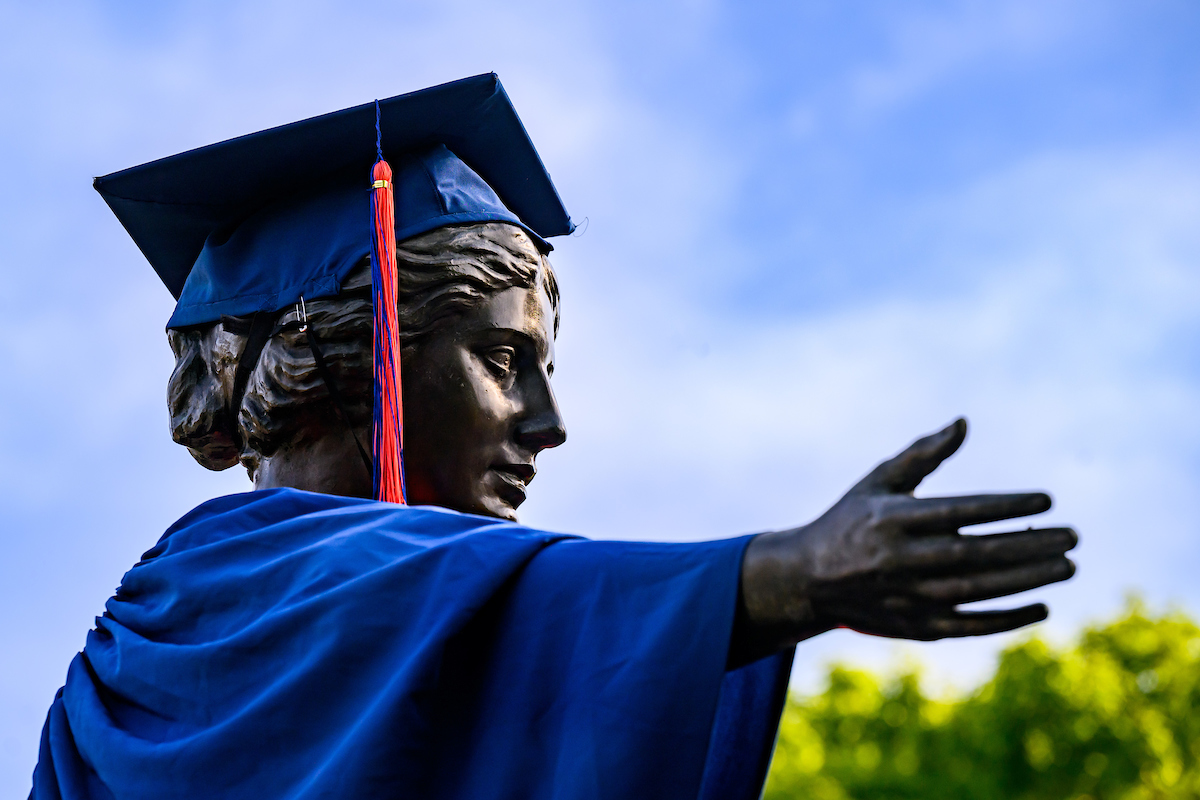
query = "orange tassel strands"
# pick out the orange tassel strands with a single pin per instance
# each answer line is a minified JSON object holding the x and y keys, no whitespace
{"x":388,"y":444}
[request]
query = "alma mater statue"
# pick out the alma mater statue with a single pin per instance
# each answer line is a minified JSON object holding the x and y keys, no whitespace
{"x":304,"y":641}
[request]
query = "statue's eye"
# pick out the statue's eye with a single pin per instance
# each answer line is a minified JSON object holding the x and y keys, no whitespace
{"x":499,"y":360}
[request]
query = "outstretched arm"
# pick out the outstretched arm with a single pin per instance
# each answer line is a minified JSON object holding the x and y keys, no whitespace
{"x":881,"y":561}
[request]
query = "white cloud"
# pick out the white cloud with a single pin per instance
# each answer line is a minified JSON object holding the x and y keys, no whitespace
{"x":923,"y":50}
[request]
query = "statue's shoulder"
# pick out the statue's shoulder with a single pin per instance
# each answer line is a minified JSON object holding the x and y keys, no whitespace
{"x":288,"y":518}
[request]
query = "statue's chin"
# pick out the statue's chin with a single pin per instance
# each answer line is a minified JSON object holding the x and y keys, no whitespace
{"x":497,"y":495}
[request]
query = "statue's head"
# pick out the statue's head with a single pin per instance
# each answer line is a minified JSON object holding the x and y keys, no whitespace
{"x":478,"y":311}
{"x":275,"y":246}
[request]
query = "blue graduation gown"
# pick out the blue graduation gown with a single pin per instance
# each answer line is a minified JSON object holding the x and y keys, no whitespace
{"x":285,"y":644}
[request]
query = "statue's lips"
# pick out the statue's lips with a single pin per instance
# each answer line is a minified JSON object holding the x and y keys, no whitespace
{"x":518,"y":475}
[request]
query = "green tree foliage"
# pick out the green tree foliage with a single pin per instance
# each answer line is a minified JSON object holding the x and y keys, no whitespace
{"x":1114,"y":717}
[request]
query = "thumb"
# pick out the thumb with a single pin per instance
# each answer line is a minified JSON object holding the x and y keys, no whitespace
{"x":903,"y":472}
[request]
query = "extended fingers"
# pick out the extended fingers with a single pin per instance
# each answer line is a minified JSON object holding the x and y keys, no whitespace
{"x":936,"y":553}
{"x":951,"y":513}
{"x":925,"y":622}
{"x":905,"y":471}
{"x":981,"y":623}
{"x":970,"y":588}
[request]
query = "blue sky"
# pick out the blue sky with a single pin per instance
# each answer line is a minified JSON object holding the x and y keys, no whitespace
{"x":814,"y":231}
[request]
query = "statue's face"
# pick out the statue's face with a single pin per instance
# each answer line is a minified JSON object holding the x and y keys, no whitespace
{"x":478,"y":406}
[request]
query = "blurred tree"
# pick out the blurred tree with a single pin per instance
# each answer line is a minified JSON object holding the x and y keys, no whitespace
{"x":1114,"y":717}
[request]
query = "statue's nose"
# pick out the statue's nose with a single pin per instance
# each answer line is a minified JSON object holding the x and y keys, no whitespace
{"x":543,"y":426}
{"x":542,"y":431}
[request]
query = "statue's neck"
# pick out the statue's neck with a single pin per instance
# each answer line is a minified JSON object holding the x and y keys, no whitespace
{"x":330,"y":465}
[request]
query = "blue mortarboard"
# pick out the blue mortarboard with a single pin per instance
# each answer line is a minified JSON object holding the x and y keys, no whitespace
{"x":248,"y":227}
{"x":254,"y":223}
{"x":304,"y":246}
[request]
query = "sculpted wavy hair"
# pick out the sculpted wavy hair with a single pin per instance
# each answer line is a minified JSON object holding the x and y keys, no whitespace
{"x":440,"y":276}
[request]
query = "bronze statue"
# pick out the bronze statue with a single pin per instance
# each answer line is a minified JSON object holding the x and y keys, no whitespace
{"x":318,"y":637}
{"x":479,"y":317}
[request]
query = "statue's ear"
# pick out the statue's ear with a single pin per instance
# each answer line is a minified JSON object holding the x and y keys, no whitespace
{"x":198,"y":399}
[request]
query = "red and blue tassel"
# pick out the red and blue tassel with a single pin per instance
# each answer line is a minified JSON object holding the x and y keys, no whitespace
{"x":388,"y":443}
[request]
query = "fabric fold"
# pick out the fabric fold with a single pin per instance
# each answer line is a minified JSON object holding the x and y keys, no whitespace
{"x":285,"y":644}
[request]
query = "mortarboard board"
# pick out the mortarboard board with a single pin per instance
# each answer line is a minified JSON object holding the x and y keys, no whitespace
{"x":171,"y":207}
{"x":250,"y":226}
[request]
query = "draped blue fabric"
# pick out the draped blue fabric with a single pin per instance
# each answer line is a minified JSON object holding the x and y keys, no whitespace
{"x":284,"y":644}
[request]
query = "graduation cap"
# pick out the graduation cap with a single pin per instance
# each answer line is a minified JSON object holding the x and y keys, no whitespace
{"x":249,"y":227}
